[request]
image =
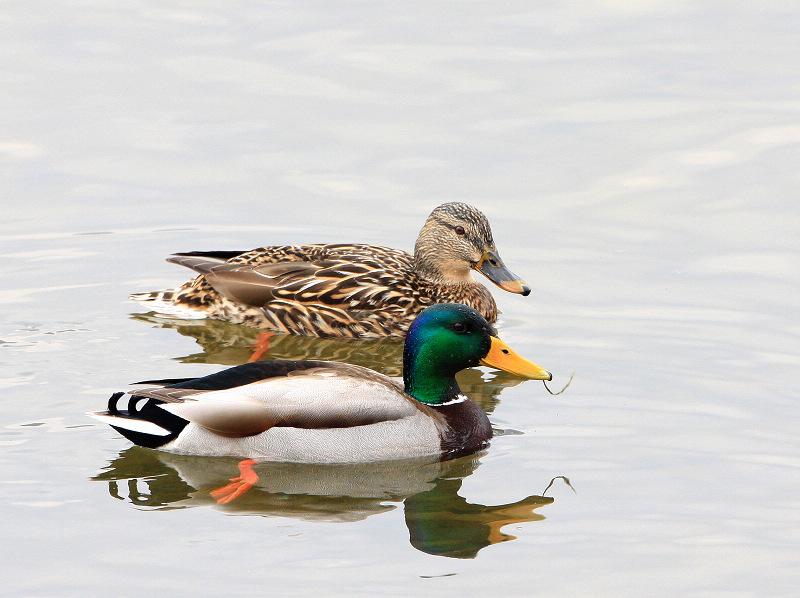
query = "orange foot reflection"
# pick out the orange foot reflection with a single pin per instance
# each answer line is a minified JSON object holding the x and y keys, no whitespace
{"x":239,"y":485}
{"x":262,"y":346}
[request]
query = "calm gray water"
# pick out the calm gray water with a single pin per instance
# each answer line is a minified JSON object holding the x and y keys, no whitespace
{"x":639,"y":164}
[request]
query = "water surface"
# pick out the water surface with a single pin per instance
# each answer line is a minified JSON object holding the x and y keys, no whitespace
{"x":638,"y":162}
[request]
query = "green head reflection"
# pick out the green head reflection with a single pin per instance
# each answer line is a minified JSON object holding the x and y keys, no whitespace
{"x":439,"y":520}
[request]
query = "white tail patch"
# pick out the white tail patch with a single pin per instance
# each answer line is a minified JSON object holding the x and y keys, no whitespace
{"x":134,"y":425}
{"x":169,"y":310}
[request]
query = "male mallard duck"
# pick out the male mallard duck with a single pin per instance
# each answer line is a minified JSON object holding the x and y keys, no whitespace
{"x":329,"y":412}
{"x":345,"y":290}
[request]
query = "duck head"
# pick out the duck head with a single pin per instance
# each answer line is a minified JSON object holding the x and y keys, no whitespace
{"x":450,"y":337}
{"x":455,"y":239}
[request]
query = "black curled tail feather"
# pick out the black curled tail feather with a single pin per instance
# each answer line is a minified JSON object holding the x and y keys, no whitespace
{"x":145,"y":409}
{"x":113,"y":401}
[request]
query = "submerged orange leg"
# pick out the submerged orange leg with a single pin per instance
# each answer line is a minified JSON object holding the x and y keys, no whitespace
{"x":262,"y":346}
{"x":239,"y":484}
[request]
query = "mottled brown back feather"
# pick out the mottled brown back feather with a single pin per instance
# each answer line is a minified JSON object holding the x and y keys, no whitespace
{"x":339,"y":290}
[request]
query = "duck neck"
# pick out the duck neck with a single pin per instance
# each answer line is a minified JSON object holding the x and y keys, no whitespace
{"x":437,"y":264}
{"x":452,"y":272}
{"x":426,"y":381}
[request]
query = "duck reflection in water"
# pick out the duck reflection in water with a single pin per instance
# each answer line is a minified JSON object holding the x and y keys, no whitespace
{"x":439,"y":520}
{"x":225,"y":343}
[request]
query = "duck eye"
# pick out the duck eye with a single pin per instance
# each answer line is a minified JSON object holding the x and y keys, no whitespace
{"x":460,"y":230}
{"x":459,"y":327}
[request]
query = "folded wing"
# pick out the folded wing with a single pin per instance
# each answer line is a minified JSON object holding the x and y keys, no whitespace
{"x":333,"y":396}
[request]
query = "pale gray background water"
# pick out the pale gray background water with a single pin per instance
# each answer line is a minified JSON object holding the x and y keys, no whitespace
{"x":638,"y":162}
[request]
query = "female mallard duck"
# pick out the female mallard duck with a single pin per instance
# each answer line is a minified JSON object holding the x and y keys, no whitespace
{"x":345,"y":290}
{"x":328,"y":412}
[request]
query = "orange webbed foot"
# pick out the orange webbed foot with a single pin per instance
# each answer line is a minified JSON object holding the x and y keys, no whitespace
{"x":262,"y":346}
{"x":240,"y":484}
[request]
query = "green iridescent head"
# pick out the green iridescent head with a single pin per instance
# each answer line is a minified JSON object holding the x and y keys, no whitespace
{"x":450,"y":337}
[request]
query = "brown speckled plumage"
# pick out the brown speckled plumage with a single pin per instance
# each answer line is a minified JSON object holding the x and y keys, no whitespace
{"x":342,"y":290}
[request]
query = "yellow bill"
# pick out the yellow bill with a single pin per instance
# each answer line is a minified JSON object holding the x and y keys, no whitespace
{"x":503,"y":357}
